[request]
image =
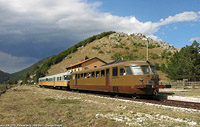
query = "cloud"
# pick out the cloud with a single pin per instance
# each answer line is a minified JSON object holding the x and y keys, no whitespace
{"x":195,"y":38}
{"x":12,"y":64}
{"x":41,"y":28}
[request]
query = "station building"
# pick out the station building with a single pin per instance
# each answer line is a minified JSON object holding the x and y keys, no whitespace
{"x":86,"y":64}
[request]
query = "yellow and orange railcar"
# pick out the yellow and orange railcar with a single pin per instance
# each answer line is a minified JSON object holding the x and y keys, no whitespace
{"x":132,"y":77}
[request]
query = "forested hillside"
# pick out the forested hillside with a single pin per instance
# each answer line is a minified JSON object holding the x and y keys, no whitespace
{"x":3,"y":76}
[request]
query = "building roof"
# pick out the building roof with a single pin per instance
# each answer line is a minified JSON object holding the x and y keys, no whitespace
{"x":81,"y":62}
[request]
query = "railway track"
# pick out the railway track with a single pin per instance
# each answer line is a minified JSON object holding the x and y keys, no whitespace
{"x":182,"y":104}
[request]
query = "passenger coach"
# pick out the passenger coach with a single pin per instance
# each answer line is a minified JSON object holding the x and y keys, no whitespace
{"x":132,"y":77}
{"x":61,"y":80}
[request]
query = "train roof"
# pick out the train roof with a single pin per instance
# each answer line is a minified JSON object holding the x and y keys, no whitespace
{"x":56,"y":75}
{"x":113,"y":64}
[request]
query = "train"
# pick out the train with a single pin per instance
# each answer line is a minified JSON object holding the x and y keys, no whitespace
{"x":130,"y":77}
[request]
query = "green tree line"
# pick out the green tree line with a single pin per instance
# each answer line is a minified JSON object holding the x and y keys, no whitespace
{"x":185,"y":64}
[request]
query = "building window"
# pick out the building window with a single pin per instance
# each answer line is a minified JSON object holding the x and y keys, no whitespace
{"x":97,"y":73}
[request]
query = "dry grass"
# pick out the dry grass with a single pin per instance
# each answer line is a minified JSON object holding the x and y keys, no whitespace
{"x":33,"y":105}
{"x":2,"y":87}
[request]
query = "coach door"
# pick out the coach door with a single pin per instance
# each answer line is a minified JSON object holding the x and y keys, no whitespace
{"x":74,"y":79}
{"x":76,"y":76}
{"x":107,"y":77}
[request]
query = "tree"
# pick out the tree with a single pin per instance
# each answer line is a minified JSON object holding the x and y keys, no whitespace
{"x":185,"y":64}
{"x":157,"y":66}
{"x":162,"y":67}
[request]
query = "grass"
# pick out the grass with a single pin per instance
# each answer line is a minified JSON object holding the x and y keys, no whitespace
{"x":33,"y":105}
{"x":3,"y":87}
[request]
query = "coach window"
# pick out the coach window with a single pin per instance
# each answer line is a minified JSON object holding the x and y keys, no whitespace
{"x":102,"y":73}
{"x":97,"y":73}
{"x":82,"y":75}
{"x":65,"y":77}
{"x":128,"y":71}
{"x":93,"y":74}
{"x":78,"y":76}
{"x":115,"y":71}
{"x":73,"y":77}
{"x":89,"y":75}
{"x":85,"y":75}
{"x":122,"y":71}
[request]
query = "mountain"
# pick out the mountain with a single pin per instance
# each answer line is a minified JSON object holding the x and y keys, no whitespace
{"x":21,"y":74}
{"x":4,"y":76}
{"x":117,"y":46}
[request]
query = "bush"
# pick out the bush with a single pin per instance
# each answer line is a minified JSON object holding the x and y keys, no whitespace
{"x":127,"y":48}
{"x":151,"y":46}
{"x":157,"y":66}
{"x":101,"y":52}
{"x":162,"y":67}
{"x":108,"y":51}
{"x":96,"y":48}
{"x":138,"y":44}
{"x":120,"y":45}
{"x":117,"y":56}
{"x":154,"y":56}
{"x":134,"y":50}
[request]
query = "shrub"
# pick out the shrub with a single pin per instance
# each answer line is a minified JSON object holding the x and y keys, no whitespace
{"x":120,"y":45}
{"x":101,"y":52}
{"x":154,"y":56}
{"x":151,"y":46}
{"x":162,"y":67}
{"x":134,"y":50}
{"x":96,"y":48}
{"x":108,"y":51}
{"x":127,"y":48}
{"x":138,"y":44}
{"x":157,"y":66}
{"x":117,"y":56}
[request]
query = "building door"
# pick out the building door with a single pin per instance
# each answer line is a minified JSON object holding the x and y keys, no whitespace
{"x":107,"y":77}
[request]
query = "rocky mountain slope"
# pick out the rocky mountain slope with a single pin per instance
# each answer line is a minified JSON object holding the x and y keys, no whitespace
{"x":118,"y":46}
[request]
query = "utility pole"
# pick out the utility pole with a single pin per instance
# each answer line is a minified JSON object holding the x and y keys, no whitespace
{"x":147,"y":48}
{"x":146,"y":39}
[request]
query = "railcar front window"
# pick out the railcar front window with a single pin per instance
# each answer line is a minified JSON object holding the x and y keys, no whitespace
{"x":153,"y":69}
{"x":137,"y":70}
{"x":67,"y":77}
{"x":128,"y":71}
{"x":146,"y":70}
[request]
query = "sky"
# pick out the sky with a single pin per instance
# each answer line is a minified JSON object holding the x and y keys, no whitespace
{"x":31,"y":30}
